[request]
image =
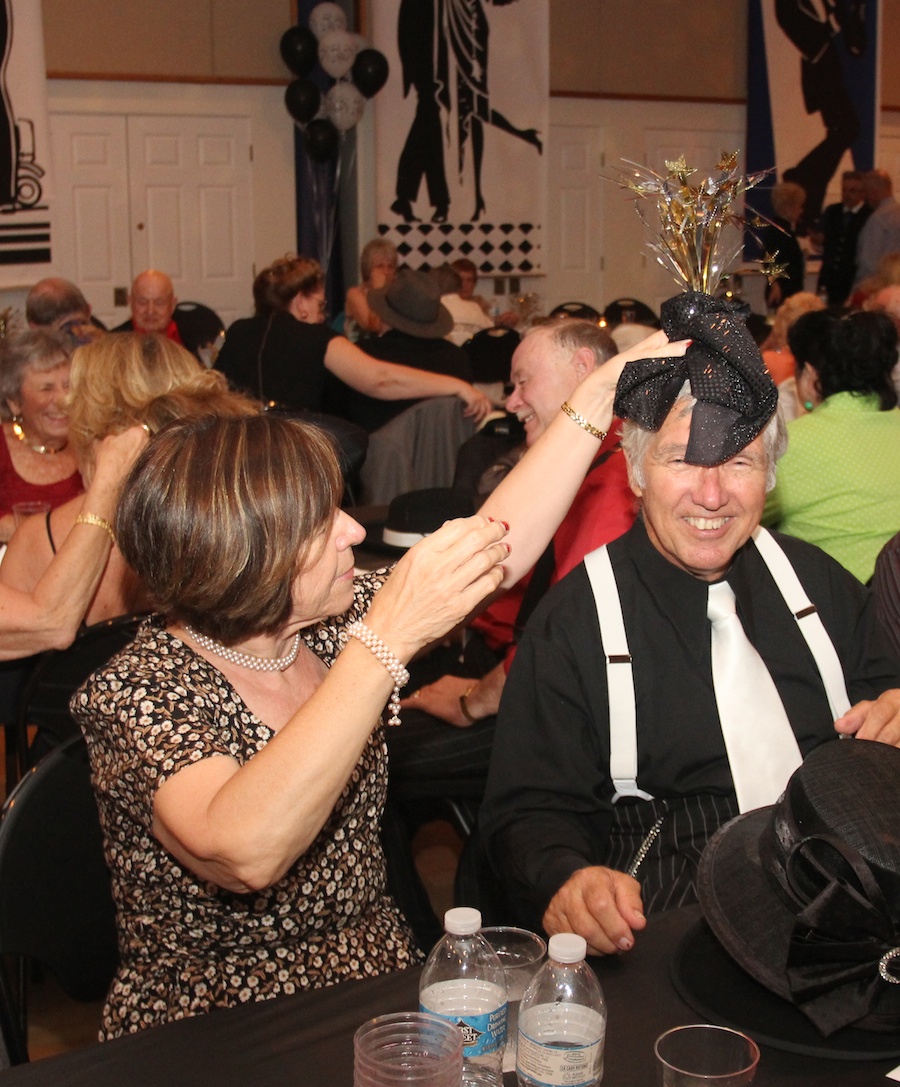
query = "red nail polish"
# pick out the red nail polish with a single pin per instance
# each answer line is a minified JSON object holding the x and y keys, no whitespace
{"x":505,"y":525}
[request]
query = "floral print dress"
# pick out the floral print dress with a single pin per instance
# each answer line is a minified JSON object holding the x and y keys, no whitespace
{"x":187,"y":945}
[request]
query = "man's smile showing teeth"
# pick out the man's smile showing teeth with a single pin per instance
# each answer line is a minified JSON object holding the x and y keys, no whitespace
{"x":708,"y":523}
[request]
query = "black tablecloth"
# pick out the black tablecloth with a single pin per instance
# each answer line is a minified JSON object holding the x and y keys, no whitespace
{"x":307,"y":1040}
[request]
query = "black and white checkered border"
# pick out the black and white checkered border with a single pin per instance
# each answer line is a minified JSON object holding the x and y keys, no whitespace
{"x":495,"y":248}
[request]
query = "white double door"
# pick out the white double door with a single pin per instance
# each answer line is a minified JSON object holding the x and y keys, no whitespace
{"x":167,"y":192}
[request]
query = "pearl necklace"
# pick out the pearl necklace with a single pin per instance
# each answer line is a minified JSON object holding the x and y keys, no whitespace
{"x":247,"y":660}
{"x":42,"y":449}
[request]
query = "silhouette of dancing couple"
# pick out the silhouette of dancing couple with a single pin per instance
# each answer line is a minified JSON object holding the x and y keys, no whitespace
{"x":443,"y":48}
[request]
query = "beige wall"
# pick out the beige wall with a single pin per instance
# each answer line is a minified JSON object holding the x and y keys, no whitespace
{"x":660,"y":48}
{"x":205,"y":40}
{"x":671,"y":48}
{"x":631,"y":48}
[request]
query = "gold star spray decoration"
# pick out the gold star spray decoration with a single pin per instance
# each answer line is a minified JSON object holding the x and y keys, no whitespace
{"x":771,"y":269}
{"x":691,"y":240}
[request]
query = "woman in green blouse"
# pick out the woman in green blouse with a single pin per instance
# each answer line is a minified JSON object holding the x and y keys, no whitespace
{"x":839,"y":482}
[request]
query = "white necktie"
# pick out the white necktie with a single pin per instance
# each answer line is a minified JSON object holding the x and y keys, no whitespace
{"x":762,"y":749}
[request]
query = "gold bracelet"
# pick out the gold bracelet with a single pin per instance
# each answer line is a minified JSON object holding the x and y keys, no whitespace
{"x":464,"y":705}
{"x":93,"y":519}
{"x":582,"y":422}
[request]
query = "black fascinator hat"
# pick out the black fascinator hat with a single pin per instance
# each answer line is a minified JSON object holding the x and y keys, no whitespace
{"x":802,"y":904}
{"x":695,"y":241}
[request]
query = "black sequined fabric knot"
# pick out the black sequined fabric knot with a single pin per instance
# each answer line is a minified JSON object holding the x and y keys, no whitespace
{"x":736,"y":396}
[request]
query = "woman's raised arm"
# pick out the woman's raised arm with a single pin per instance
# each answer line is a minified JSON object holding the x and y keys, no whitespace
{"x":536,"y":495}
{"x":48,"y":617}
{"x":391,"y":381}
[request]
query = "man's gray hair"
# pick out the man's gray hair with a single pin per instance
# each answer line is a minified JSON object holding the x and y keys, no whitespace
{"x":636,"y":440}
{"x":569,"y":334}
{"x":51,"y":300}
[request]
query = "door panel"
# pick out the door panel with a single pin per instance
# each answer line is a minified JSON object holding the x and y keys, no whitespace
{"x":93,"y":242}
{"x":574,"y":226}
{"x":190,"y":188}
{"x":167,"y":192}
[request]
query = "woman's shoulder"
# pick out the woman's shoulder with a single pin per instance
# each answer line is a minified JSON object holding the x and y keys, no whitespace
{"x":156,"y":663}
{"x":34,"y":543}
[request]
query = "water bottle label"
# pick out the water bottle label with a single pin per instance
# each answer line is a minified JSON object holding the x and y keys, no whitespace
{"x":560,"y":1045}
{"x":474,"y":1006}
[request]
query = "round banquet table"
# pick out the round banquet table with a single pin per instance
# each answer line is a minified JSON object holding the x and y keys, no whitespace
{"x":306,"y":1040}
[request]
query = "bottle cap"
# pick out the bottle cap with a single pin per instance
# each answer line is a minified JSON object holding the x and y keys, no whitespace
{"x":462,"y":921}
{"x":567,"y":947}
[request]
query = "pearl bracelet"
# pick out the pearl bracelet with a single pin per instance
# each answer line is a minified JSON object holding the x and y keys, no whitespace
{"x":398,"y":673}
{"x":578,"y":418}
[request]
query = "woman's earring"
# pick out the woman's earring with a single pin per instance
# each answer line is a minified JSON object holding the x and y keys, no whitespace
{"x":808,"y":404}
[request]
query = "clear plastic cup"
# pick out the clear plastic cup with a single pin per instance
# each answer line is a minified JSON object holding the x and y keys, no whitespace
{"x":406,"y":1049}
{"x":521,"y":954}
{"x":23,"y":510}
{"x":702,"y":1055}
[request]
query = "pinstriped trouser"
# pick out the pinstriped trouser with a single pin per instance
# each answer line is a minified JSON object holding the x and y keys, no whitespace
{"x":668,"y":871}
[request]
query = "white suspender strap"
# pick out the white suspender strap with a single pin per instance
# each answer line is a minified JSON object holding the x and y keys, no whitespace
{"x":808,"y":621}
{"x":619,"y":676}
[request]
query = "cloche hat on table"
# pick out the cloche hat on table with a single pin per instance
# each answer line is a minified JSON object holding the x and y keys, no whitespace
{"x":412,"y":303}
{"x":802,"y":904}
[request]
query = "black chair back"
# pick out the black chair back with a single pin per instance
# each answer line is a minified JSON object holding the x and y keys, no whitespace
{"x":55,"y":678}
{"x":56,"y":904}
{"x":199,"y":328}
{"x":578,"y":310}
{"x":630,"y":311}
{"x":490,"y":351}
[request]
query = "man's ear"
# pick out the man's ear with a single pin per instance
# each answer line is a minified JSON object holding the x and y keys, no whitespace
{"x":584,"y":361}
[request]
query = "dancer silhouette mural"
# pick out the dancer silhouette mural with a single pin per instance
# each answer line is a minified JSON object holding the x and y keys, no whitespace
{"x":814,"y":30}
{"x":7,"y":121}
{"x":444,"y":51}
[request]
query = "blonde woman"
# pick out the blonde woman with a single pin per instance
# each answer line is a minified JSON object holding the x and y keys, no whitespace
{"x":117,"y":382}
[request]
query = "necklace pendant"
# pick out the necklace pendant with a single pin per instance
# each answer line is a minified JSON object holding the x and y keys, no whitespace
{"x":19,"y":432}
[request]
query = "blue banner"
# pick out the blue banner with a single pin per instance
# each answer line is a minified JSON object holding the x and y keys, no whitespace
{"x":812,"y":100}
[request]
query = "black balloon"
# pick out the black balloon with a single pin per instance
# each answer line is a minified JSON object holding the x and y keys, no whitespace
{"x":299,"y":50}
{"x":321,"y":140}
{"x":302,"y":98}
{"x":370,"y":71}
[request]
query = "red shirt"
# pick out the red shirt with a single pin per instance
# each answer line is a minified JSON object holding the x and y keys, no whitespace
{"x":604,"y":507}
{"x":14,"y":489}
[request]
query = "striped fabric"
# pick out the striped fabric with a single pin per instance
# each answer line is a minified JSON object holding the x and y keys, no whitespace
{"x":668,"y":871}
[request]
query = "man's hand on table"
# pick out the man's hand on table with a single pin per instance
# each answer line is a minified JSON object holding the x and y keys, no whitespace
{"x":878,"y":720}
{"x":600,"y":904}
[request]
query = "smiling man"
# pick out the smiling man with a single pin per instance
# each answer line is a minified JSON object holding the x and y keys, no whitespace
{"x":623,"y":740}
{"x":152,"y":302}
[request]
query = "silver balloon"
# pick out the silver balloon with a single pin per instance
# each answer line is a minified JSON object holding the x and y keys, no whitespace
{"x":326,"y":17}
{"x":344,"y":105}
{"x":337,"y":52}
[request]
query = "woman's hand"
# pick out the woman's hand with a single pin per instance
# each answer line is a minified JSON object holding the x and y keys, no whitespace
{"x":113,"y":459}
{"x":438,"y":582}
{"x":478,"y":406}
{"x":594,"y":396}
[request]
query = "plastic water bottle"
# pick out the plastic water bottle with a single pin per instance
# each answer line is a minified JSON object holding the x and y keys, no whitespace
{"x":463,"y":982}
{"x":562,"y":1020}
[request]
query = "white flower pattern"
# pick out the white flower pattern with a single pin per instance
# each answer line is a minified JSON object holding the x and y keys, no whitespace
{"x":187,"y":945}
